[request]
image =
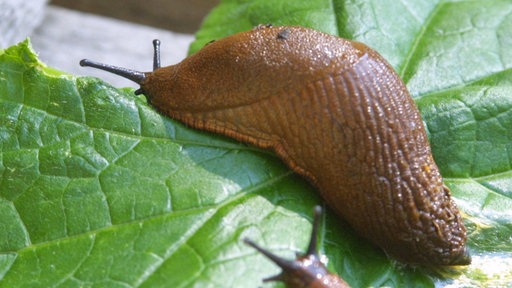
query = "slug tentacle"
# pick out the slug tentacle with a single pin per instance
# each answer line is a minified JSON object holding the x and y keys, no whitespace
{"x":135,"y":76}
{"x":313,"y":241}
{"x":156,"y":54}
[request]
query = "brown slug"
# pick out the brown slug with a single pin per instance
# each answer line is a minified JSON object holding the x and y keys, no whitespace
{"x":307,"y":270}
{"x":336,"y":113}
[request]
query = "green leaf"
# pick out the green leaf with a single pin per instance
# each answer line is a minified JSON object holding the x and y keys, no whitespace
{"x":98,"y":189}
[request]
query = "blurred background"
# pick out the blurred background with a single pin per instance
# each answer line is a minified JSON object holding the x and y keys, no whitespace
{"x":117,"y":32}
{"x":175,"y":15}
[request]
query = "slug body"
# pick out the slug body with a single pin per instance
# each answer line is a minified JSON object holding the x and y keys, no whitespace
{"x":336,"y":113}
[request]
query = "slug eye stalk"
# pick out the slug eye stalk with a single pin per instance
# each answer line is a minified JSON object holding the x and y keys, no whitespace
{"x":133,"y":75}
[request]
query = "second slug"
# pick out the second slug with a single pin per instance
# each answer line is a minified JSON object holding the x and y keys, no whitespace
{"x":336,"y":113}
{"x":307,"y":270}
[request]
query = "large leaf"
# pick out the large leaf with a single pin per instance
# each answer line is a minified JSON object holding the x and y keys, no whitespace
{"x":98,"y":189}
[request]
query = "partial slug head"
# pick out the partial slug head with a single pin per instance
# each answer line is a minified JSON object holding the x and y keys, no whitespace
{"x":307,"y":270}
